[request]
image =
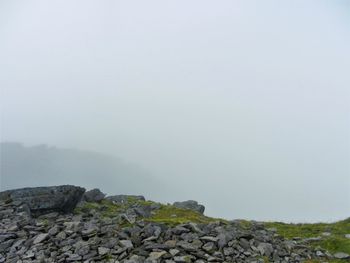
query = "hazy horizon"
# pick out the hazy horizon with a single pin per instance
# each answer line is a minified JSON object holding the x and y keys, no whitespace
{"x":241,"y":105}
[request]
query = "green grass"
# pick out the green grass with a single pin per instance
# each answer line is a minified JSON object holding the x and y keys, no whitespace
{"x":166,"y":214}
{"x":106,"y":208}
{"x":336,"y":242}
{"x":172,"y":215}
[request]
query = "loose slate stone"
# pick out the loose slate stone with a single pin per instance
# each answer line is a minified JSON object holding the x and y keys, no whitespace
{"x":40,"y":238}
{"x":341,"y":255}
{"x":97,"y":235}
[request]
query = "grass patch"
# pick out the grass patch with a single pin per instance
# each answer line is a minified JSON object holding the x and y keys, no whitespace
{"x":172,"y":215}
{"x":106,"y":208}
{"x":336,"y":242}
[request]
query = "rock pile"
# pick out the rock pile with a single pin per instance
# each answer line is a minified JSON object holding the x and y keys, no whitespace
{"x":41,"y":200}
{"x":91,"y":236}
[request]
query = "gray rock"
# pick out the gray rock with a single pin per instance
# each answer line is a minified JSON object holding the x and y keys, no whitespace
{"x":190,"y":204}
{"x":347,"y":236}
{"x":126,"y":243}
{"x":53,"y":230}
{"x":40,"y":238}
{"x":122,"y":199}
{"x":341,"y":255}
{"x":103,"y":250}
{"x":74,"y":258}
{"x":209,"y":238}
{"x":155,"y":255}
{"x":183,"y":259}
{"x":265,"y":249}
{"x":209,"y":247}
{"x":94,"y":195}
{"x":174,"y":251}
{"x":41,"y":200}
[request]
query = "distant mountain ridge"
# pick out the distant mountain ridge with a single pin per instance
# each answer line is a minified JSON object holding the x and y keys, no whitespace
{"x":22,"y":166}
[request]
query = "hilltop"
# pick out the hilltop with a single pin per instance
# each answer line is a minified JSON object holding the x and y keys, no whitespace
{"x":68,"y":224}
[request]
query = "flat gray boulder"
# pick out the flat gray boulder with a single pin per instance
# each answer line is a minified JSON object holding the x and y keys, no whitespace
{"x":191,"y":205}
{"x":94,"y":195}
{"x":42,"y":200}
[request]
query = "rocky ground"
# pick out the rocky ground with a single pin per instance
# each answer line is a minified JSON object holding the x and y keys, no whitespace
{"x":67,"y":224}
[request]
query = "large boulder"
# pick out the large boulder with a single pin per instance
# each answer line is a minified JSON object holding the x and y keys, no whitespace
{"x":41,"y":200}
{"x":190,"y":204}
{"x":94,"y":195}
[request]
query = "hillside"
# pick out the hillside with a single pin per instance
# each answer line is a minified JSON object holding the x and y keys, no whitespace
{"x":67,"y":224}
{"x":23,"y":166}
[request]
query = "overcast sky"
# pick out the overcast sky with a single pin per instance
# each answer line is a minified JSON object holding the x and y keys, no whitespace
{"x":242,"y":105}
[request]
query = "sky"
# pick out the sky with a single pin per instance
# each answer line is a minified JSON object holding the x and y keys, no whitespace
{"x":241,"y":105}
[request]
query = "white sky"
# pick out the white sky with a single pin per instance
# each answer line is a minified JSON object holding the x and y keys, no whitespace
{"x":242,"y":105}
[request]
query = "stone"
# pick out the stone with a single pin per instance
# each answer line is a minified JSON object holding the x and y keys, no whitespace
{"x":40,"y":238}
{"x":53,"y":230}
{"x":209,"y":238}
{"x":341,"y":255}
{"x":183,"y":259}
{"x":41,"y":200}
{"x":126,"y":243}
{"x":122,"y":199}
{"x":265,"y":249}
{"x":97,"y":235}
{"x":347,"y":236}
{"x":94,"y":195}
{"x":156,"y":255}
{"x":74,"y":258}
{"x":191,"y":205}
{"x":103,"y":250}
{"x":174,"y":251}
{"x":209,"y":247}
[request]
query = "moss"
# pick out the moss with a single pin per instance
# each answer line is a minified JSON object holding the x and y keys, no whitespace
{"x":172,"y":215}
{"x":336,"y":242}
{"x":106,"y":208}
{"x":245,"y":224}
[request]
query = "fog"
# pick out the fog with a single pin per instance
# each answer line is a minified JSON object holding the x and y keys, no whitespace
{"x":241,"y":105}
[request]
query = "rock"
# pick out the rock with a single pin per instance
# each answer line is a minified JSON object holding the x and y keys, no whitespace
{"x":41,"y":200}
{"x":209,"y":247}
{"x":156,"y":255}
{"x":191,"y":205}
{"x":103,"y":251}
{"x":174,"y":252}
{"x":265,"y":249}
{"x":40,"y":238}
{"x":53,"y":230}
{"x":209,"y":238}
{"x":341,"y":255}
{"x":183,"y":259}
{"x":122,"y":199}
{"x":94,"y":195}
{"x":126,"y":243}
{"x":134,"y":259}
{"x":74,"y":258}
{"x":99,"y":234}
{"x":347,"y":236}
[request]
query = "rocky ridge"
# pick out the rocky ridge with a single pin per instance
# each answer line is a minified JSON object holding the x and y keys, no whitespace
{"x":89,"y":227}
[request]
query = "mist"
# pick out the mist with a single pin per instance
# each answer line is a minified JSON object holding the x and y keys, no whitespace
{"x":240,"y":105}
